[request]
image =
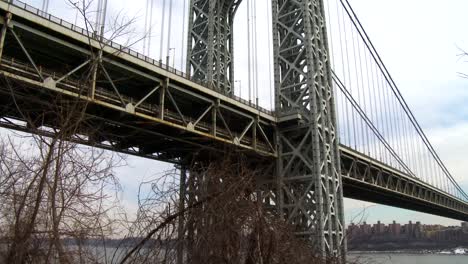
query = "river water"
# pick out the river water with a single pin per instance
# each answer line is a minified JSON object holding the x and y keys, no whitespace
{"x":403,"y":258}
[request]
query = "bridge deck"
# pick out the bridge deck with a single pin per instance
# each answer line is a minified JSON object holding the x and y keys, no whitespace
{"x":140,"y":107}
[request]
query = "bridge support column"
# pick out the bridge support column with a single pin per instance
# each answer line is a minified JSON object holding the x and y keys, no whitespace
{"x":3,"y":32}
{"x":309,"y":194}
{"x":210,"y":43}
{"x":181,"y":223}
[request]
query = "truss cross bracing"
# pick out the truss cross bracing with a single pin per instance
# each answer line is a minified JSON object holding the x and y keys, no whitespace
{"x":310,"y":193}
{"x":210,"y":43}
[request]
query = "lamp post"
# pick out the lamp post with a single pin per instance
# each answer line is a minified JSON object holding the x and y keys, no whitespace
{"x":173,"y":56}
{"x":240,"y":87}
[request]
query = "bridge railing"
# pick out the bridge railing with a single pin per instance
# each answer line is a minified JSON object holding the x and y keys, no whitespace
{"x":125,"y":49}
{"x":373,"y":116}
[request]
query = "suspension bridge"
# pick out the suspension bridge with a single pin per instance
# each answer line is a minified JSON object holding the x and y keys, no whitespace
{"x":337,"y":125}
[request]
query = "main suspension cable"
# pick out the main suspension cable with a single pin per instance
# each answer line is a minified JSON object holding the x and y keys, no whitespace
{"x":352,"y":15}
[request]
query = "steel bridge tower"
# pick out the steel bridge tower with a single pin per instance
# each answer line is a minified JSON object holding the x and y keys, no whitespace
{"x":308,"y":191}
{"x":210,"y":43}
{"x":310,"y":194}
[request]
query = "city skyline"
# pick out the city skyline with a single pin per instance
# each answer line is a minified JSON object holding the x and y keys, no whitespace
{"x":407,"y":236}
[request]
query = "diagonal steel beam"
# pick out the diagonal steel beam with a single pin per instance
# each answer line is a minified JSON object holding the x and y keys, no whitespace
{"x":27,"y":54}
{"x":112,"y":84}
{"x":73,"y":71}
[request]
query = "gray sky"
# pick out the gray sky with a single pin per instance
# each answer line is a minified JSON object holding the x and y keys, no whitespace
{"x":418,"y":40}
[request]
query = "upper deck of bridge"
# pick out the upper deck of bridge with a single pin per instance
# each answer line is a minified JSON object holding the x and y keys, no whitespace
{"x":68,"y":43}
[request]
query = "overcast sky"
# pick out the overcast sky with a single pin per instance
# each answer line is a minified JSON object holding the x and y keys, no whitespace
{"x":418,"y":40}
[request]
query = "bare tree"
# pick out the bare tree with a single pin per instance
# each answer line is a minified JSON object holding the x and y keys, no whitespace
{"x":56,"y":194}
{"x":462,"y":54}
{"x":223,"y":220}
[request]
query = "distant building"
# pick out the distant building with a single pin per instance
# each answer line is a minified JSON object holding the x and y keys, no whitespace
{"x":366,"y":229}
{"x":379,"y":228}
{"x":354,"y":231}
{"x":409,"y":230}
{"x":418,"y":231}
{"x":464,"y":226}
{"x":395,"y":229}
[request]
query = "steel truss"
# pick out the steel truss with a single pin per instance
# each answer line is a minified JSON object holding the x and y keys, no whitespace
{"x":367,"y":178}
{"x":178,"y":113}
{"x":210,"y":43}
{"x":310,"y":193}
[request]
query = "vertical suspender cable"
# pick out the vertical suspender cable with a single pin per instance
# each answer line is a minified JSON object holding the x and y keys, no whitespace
{"x":163,"y":17}
{"x":252,"y":46}
{"x":255,"y":50}
{"x":387,"y":123}
{"x":45,"y":6}
{"x":98,"y":25}
{"x":98,"y":17}
{"x":248,"y":51}
{"x":169,"y":34}
{"x":374,"y":99}
{"x":393,"y":110}
{"x":331,"y":56}
{"x":434,"y":172}
{"x":353,"y":115}
{"x":344,"y":78}
{"x":270,"y":55}
{"x":360,"y":127}
{"x":380,"y":126}
{"x":404,"y":137}
{"x":344,"y":137}
{"x":150,"y":27}
{"x":76,"y":15}
{"x":418,"y":153}
{"x":412,"y":146}
{"x":366,"y":93}
{"x":103,"y":18}
{"x":145,"y":36}
{"x":182,"y":47}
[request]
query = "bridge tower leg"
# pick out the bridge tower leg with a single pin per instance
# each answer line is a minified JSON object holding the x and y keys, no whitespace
{"x":309,"y":194}
{"x":210,"y":43}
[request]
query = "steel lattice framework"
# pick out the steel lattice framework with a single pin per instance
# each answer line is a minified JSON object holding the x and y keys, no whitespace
{"x":210,"y":43}
{"x":310,"y":192}
{"x":137,"y":105}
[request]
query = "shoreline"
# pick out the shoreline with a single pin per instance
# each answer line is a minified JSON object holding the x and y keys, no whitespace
{"x":410,"y":252}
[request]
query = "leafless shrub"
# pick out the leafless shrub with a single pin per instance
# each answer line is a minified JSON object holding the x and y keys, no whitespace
{"x":56,"y":195}
{"x":54,"y":191}
{"x":223,"y":221}
{"x":463,"y":54}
